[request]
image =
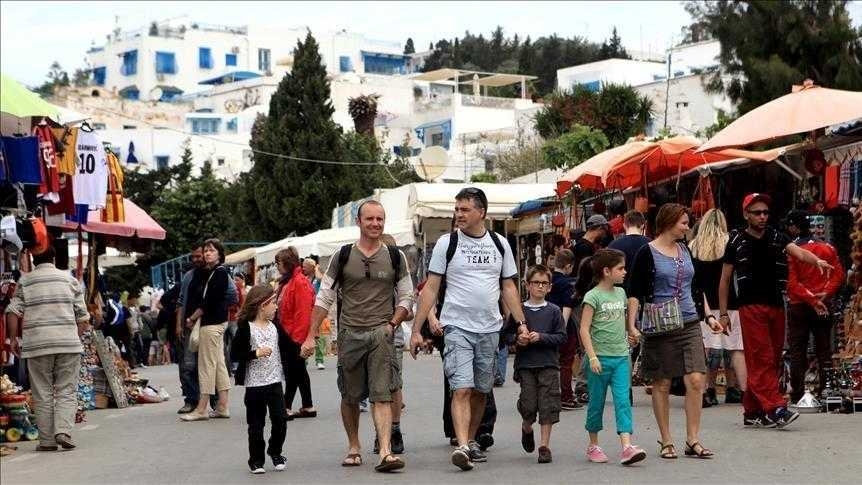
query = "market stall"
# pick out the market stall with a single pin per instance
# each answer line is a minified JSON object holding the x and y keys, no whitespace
{"x":58,"y":178}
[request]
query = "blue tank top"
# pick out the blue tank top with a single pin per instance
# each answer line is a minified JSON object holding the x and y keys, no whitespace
{"x":666,"y":281}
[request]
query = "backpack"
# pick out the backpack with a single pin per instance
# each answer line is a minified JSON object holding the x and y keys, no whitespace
{"x":441,"y":294}
{"x":344,"y":256}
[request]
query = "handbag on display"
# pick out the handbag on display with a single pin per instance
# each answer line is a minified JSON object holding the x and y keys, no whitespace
{"x":659,"y":318}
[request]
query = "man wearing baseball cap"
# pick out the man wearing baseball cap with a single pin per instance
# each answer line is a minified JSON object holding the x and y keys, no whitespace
{"x":586,"y":245}
{"x":756,"y":258}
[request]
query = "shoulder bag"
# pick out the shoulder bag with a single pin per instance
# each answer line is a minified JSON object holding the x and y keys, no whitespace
{"x":659,"y":318}
{"x":195,"y":335}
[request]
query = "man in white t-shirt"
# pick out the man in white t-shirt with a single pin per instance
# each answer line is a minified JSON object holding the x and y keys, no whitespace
{"x":476,"y":270}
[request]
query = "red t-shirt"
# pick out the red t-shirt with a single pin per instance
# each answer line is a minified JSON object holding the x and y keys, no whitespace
{"x":48,"y":158}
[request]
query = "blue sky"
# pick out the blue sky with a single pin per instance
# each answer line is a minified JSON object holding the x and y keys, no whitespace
{"x":34,"y":34}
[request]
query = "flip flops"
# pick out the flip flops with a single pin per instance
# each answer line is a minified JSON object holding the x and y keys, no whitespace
{"x":389,"y":463}
{"x":352,"y":459}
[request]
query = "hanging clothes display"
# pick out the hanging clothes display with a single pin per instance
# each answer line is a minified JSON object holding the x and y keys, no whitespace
{"x":67,"y":157}
{"x":22,"y":155}
{"x":4,"y":169}
{"x":90,"y":184}
{"x":114,"y":208}
{"x":50,"y":188}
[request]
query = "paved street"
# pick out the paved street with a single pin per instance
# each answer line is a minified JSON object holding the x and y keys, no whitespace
{"x":146,"y":444}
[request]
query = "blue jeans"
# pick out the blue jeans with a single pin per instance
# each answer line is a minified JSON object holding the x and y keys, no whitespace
{"x":502,"y":360}
{"x":616,"y":374}
{"x":188,"y":367}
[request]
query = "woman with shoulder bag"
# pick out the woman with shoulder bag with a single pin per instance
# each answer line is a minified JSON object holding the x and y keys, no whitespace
{"x":665,"y":288}
{"x":212,"y":313}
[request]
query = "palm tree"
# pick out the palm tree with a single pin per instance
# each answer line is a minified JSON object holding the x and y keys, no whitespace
{"x":363,"y":110}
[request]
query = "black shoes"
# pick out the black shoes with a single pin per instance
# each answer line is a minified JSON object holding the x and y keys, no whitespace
{"x":732,"y":395}
{"x":782,"y":417}
{"x":528,"y":440}
{"x":279,"y":462}
{"x":485,"y":441}
{"x":476,"y":453}
{"x":756,"y":420}
{"x":709,"y":398}
{"x":396,"y":442}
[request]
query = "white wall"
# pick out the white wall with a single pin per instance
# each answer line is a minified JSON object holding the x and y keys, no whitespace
{"x":188,"y":74}
{"x":150,"y":143}
{"x":701,"y":55}
{"x":620,"y":71}
{"x":691,"y":108}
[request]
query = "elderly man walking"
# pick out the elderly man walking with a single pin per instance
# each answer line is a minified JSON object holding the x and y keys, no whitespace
{"x":51,"y":304}
{"x":478,"y":266}
{"x":362,"y":277}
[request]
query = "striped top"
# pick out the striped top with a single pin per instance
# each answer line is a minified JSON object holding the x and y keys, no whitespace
{"x":50,"y":302}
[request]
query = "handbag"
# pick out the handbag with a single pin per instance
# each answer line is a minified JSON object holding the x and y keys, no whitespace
{"x":659,"y":318}
{"x":195,"y":335}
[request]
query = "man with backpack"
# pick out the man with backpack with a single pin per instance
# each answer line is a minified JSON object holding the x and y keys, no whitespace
{"x":362,"y":278}
{"x":478,"y":266}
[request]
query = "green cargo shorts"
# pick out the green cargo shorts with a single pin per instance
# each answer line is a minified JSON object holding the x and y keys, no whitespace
{"x":365,"y":364}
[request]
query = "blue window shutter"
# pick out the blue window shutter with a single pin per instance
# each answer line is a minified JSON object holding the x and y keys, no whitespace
{"x":230,"y":59}
{"x":205,"y":58}
{"x":593,"y":86}
{"x":166,"y":63}
{"x":345,"y":64}
{"x":99,"y":74}
{"x":130,"y":63}
{"x":131,"y":94}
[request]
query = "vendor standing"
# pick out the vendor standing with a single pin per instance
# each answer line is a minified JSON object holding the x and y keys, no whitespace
{"x":51,"y":304}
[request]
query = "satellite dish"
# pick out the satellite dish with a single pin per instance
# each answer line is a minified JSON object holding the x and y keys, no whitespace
{"x":433,"y":161}
{"x":156,"y":94}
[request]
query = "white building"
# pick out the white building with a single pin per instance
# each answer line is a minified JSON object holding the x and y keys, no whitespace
{"x":617,"y":71}
{"x":680,"y":102}
{"x":690,"y":108}
{"x":155,"y":88}
{"x":167,"y":60}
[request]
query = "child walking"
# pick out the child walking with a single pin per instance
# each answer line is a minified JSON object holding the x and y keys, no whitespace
{"x":261,"y":350}
{"x":537,"y":362}
{"x":603,"y":333}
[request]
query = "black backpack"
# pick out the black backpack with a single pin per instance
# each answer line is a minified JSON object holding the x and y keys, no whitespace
{"x":441,"y":294}
{"x":344,"y":256}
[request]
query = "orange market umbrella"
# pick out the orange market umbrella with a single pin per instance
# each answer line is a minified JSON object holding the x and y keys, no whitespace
{"x":589,"y":174}
{"x":672,"y":157}
{"x":806,"y":109}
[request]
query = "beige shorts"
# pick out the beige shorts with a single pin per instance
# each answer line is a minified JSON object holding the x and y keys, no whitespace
{"x":722,"y":341}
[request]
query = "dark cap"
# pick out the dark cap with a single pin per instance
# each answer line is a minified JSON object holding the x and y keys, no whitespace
{"x":755,"y":197}
{"x":595,"y":221}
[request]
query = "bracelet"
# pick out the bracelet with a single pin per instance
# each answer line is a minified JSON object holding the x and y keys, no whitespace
{"x":710,"y":316}
{"x":723,"y":315}
{"x":593,"y":358}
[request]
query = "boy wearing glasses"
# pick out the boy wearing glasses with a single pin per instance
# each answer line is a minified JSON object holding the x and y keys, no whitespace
{"x":537,"y":362}
{"x":756,"y":258}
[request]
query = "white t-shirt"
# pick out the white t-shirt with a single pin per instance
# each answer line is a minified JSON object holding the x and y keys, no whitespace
{"x":90,"y":184}
{"x":473,"y":281}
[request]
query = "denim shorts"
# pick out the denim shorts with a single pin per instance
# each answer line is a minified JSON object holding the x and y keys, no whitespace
{"x":468,"y":358}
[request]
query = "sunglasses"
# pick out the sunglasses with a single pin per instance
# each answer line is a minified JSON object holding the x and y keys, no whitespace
{"x":759,"y":212}
{"x":367,"y":264}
